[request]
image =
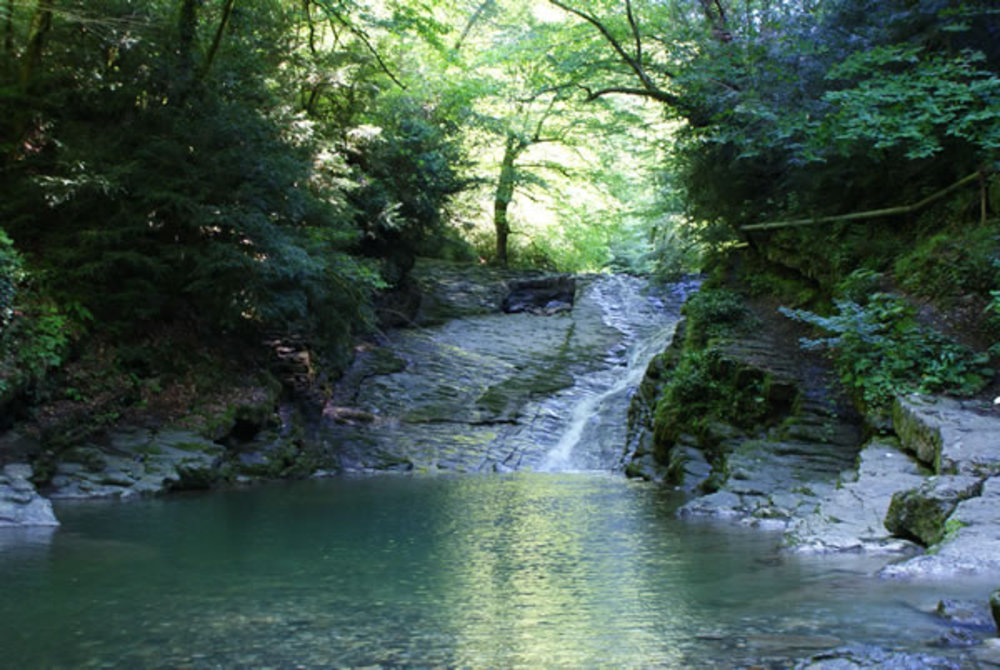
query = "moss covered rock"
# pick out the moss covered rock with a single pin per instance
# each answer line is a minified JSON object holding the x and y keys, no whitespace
{"x":921,"y":514}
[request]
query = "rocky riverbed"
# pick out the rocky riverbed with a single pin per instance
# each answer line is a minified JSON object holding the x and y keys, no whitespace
{"x":923,"y":491}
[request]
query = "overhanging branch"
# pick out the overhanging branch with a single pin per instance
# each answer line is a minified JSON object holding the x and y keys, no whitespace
{"x":870,"y":214}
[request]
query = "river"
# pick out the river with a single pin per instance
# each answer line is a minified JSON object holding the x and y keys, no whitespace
{"x":532,"y":552}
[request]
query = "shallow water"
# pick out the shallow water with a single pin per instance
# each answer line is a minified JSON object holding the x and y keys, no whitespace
{"x":530,"y":570}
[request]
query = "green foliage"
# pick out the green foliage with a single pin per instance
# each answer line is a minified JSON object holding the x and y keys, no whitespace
{"x":904,"y":96}
{"x":839,"y":107}
{"x":880,"y":351}
{"x":715,"y":313}
{"x":35,"y":334}
{"x":947,"y":266}
{"x":11,"y":278}
{"x":408,"y":167}
{"x":707,"y":387}
{"x":36,"y":341}
{"x":663,"y":252}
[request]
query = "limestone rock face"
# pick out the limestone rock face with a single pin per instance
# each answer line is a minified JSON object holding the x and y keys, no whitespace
{"x":949,"y":435}
{"x":20,"y":504}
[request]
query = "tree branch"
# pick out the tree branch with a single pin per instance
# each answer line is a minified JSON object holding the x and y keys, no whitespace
{"x":649,"y":88}
{"x":635,"y":30}
{"x":870,"y":214}
{"x":473,"y":20}
{"x":655,"y":94}
{"x":360,"y":34}
{"x":227,"y":10}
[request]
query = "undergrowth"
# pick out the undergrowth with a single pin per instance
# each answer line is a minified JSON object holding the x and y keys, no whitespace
{"x":879,"y":351}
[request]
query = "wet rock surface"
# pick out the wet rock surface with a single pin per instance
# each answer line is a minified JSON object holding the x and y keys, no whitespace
{"x":951,"y":436}
{"x":496,"y":391}
{"x":850,"y":517}
{"x":137,"y":462}
{"x":20,"y":503}
{"x":971,"y":547}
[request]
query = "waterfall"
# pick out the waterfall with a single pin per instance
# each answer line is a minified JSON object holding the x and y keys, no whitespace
{"x":500,"y":392}
{"x":595,"y":434}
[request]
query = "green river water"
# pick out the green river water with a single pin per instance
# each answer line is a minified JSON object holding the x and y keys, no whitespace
{"x":515,"y":570}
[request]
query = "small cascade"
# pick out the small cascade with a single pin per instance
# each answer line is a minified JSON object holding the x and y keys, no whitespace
{"x":501,"y":392}
{"x":595,"y":434}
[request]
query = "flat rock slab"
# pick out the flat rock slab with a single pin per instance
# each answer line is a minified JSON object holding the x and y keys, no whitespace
{"x":949,"y":435}
{"x":20,"y":504}
{"x":850,"y":518}
{"x":972,"y":548}
{"x":771,"y":483}
{"x":135,"y":463}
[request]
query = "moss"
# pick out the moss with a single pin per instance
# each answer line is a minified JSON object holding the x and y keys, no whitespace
{"x":708,"y":388}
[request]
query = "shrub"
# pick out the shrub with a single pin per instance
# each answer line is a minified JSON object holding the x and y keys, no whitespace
{"x":713,"y":313}
{"x":880,"y":351}
{"x":11,"y":276}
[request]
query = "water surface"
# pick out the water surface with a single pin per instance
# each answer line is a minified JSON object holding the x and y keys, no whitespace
{"x":530,"y":570}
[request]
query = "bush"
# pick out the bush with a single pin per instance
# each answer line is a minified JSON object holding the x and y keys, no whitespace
{"x":713,"y":313}
{"x":880,"y":351}
{"x":11,"y":276}
{"x":34,"y":333}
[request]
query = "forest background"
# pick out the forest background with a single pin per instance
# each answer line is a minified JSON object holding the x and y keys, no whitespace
{"x":181,"y":176}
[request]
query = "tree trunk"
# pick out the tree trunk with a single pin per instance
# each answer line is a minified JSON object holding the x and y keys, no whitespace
{"x":227,"y":10}
{"x":504,"y":194}
{"x":41,"y":24}
{"x":8,"y":30}
{"x":187,"y":29}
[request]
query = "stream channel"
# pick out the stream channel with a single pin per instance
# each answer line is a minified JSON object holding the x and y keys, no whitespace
{"x":511,"y":541}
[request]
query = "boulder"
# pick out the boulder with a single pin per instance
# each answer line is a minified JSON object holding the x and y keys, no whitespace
{"x":971,"y":546}
{"x":540,"y":295}
{"x":921,"y":514}
{"x":965,"y":613}
{"x":20,"y":504}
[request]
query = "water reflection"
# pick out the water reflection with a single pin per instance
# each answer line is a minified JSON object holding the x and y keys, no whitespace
{"x":523,"y":570}
{"x":27,"y":542}
{"x":547,"y":570}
